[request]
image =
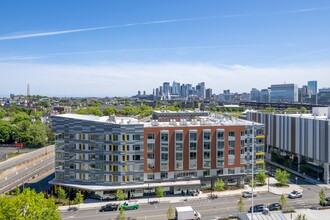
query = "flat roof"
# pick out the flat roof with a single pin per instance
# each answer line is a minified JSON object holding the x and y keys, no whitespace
{"x":211,"y":120}
{"x":103,"y":119}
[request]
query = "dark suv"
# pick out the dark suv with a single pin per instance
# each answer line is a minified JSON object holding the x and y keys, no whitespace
{"x":327,"y":202}
{"x":109,"y":207}
{"x":275,"y":207}
{"x":258,"y":208}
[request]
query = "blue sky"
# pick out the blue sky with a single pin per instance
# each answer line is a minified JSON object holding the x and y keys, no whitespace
{"x":115,"y":48}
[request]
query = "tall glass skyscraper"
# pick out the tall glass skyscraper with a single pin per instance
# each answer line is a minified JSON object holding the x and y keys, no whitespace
{"x":312,"y":86}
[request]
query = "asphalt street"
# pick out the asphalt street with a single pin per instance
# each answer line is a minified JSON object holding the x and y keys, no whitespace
{"x":209,"y":209}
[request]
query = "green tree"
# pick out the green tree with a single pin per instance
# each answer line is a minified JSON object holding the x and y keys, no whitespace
{"x":121,"y":215}
{"x":282,"y":177}
{"x":109,"y":111}
{"x":79,"y":198}
{"x":283,"y":200}
{"x":261,"y":177}
{"x":219,"y":185}
{"x":254,"y":183}
{"x":5,"y":132}
{"x":120,"y":194}
{"x":170,"y":213}
{"x":37,"y":134}
{"x":301,"y":217}
{"x":322,"y":197}
{"x":240,"y":204}
{"x":61,"y":194}
{"x":159,"y":192}
{"x":28,"y":205}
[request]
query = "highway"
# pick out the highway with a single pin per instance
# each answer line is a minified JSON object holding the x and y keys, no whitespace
{"x":26,"y":167}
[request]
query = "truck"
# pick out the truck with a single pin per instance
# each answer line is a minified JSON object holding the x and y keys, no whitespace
{"x":186,"y":213}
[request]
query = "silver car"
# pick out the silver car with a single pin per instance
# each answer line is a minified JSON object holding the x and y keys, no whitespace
{"x":295,"y":195}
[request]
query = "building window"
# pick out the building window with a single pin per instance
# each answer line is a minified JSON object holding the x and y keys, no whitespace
{"x":151,"y":136}
{"x":164,"y":137}
{"x":179,"y":156}
{"x":231,"y":134}
{"x":207,"y":135}
{"x":164,"y":147}
{"x":179,"y":136}
{"x":151,"y":147}
{"x":163,"y":175}
{"x":220,"y":135}
{"x":136,"y":137}
{"x":221,"y":145}
{"x":207,"y":146}
{"x":136,"y":147}
{"x":231,"y":152}
{"x":151,"y":156}
{"x":231,"y":143}
{"x":178,"y":146}
{"x":231,"y":171}
{"x":193,"y":146}
{"x":193,"y":156}
{"x":150,"y":176}
{"x":193,"y":136}
{"x":207,"y":155}
{"x":136,"y":157}
{"x":220,"y":154}
{"x":164,"y":157}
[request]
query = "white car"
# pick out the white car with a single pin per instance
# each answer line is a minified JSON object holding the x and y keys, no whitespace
{"x":295,"y":194}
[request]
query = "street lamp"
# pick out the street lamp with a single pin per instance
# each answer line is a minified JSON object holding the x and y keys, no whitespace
{"x":296,"y":180}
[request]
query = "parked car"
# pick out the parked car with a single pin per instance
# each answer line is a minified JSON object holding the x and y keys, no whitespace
{"x":258,"y":208}
{"x":275,"y":207}
{"x":295,"y":194}
{"x":193,"y":193}
{"x":130,"y":205}
{"x":213,"y":196}
{"x":248,"y":194}
{"x":109,"y":207}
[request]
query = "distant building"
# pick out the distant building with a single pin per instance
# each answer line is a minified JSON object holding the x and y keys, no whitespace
{"x":245,"y":97}
{"x":284,"y":93}
{"x":176,"y":88}
{"x":312,"y":86}
{"x":209,"y":93}
{"x":265,"y":95}
{"x":201,"y":90}
{"x":255,"y":95}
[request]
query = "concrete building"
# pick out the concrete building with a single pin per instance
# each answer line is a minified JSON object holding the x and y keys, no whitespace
{"x":103,"y":154}
{"x":298,"y":141}
{"x":284,"y":93}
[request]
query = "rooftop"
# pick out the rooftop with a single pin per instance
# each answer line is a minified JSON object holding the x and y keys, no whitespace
{"x":211,"y":120}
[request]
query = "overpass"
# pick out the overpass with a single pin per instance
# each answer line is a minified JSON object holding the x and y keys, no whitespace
{"x":18,"y":170}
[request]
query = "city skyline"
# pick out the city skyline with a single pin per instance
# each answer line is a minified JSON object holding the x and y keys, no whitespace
{"x":112,"y":49}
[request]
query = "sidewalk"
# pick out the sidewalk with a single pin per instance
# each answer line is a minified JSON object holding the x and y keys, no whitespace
{"x":92,"y":204}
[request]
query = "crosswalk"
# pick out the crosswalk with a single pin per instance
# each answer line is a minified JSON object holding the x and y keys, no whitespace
{"x":197,"y":201}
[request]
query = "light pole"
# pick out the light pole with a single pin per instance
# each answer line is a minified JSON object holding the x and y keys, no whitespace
{"x":296,"y":180}
{"x":268,"y":181}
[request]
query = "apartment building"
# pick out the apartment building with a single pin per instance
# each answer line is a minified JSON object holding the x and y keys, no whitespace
{"x":298,"y":141}
{"x":103,"y":154}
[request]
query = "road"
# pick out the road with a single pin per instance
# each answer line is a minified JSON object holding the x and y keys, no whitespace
{"x":24,"y":158}
{"x":209,"y":209}
{"x":26,"y":167}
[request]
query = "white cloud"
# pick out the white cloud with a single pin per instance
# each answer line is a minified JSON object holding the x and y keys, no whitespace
{"x":127,"y":78}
